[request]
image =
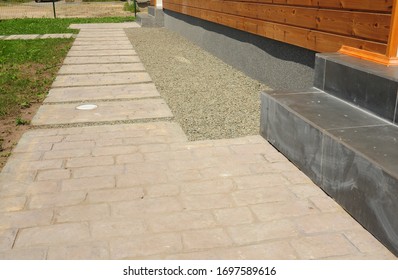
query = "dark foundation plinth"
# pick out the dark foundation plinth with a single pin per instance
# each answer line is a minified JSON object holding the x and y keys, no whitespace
{"x":278,"y":65}
{"x":351,"y":154}
{"x":154,"y":18}
{"x":365,"y":84}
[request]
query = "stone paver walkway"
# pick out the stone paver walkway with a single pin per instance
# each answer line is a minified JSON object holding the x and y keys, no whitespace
{"x":36,"y":36}
{"x":142,"y":191}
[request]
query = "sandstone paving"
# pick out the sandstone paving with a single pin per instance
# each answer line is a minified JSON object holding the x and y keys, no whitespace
{"x":105,"y":44}
{"x":143,"y":191}
{"x":101,"y":68}
{"x":104,"y":26}
{"x":101,"y":52}
{"x":105,"y":112}
{"x":22,"y":37}
{"x":187,"y":217}
{"x":131,"y":91}
{"x":63,"y":35}
{"x":101,"y":59}
{"x":101,"y":79}
{"x":101,"y":47}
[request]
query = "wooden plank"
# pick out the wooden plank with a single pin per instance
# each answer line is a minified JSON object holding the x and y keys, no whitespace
{"x":303,"y":37}
{"x":364,"y":25}
{"x":392,"y":47}
{"x":359,"y":5}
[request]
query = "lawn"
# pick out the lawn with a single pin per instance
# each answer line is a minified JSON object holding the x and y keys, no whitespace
{"x":27,"y":69}
{"x":49,"y":25}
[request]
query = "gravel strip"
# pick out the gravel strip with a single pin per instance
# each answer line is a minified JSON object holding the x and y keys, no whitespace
{"x":210,"y":99}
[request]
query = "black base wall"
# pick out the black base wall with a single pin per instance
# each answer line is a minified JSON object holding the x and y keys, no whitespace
{"x":278,"y":65}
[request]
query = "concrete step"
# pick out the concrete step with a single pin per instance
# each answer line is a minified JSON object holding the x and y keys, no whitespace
{"x":351,"y":154}
{"x":154,"y":18}
{"x":365,"y":84}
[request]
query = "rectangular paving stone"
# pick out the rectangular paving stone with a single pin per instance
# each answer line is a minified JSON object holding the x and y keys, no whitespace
{"x":234,"y":216}
{"x":103,"y":182}
{"x":53,"y":234}
{"x":201,"y":202}
{"x":87,"y":53}
{"x":261,"y":195}
{"x":24,"y":254}
{"x":123,"y":39}
{"x":145,"y":245}
{"x":115,"y":195}
{"x":57,"y":199}
{"x":273,"y":250}
{"x":22,"y":219}
{"x":81,"y":213}
{"x":101,"y":79}
{"x":101,"y":59}
{"x":7,"y":238}
{"x":207,"y":187}
{"x":254,"y":233}
{"x":85,"y":251}
{"x":260,"y":181}
{"x":322,"y":246}
{"x":22,"y":37}
{"x":132,"y":91}
{"x":143,"y":207}
{"x":326,"y":222}
{"x":90,"y":161}
{"x":286,"y":209}
{"x":101,"y":47}
{"x":106,"y":111}
{"x":106,"y":44}
{"x":63,"y":35}
{"x":105,"y":35}
{"x":181,"y":221}
{"x":110,"y":228}
{"x":55,"y":174}
{"x":205,"y":238}
{"x":97,"y":171}
{"x":10,"y":204}
{"x":101,"y":68}
{"x":104,"y":26}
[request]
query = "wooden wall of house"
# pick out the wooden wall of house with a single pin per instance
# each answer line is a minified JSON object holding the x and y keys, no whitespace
{"x":319,"y":25}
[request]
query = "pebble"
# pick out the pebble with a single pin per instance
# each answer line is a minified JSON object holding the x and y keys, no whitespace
{"x":209,"y":98}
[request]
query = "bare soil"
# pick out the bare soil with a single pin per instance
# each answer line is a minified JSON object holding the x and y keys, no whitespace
{"x":63,"y":10}
{"x":10,"y":132}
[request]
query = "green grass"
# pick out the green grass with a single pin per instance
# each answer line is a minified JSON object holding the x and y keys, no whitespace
{"x":27,"y":70}
{"x":15,"y":1}
{"x":49,"y":25}
{"x":99,"y":0}
{"x":130,"y":7}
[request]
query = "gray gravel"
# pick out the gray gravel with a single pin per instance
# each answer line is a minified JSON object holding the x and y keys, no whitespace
{"x":210,"y":99}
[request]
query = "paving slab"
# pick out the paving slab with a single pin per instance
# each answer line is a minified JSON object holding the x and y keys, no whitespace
{"x":108,"y":35}
{"x":101,"y":79}
{"x":123,"y":39}
{"x":87,"y":53}
{"x":101,"y":59}
{"x":22,"y":37}
{"x":101,"y":47}
{"x":101,"y":43}
{"x":105,"y":26}
{"x":54,"y":36}
{"x":106,"y":112}
{"x":127,"y":204}
{"x":102,"y":93}
{"x":101,"y":68}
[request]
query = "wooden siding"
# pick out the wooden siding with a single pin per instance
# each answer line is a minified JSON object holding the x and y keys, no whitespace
{"x":319,"y":25}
